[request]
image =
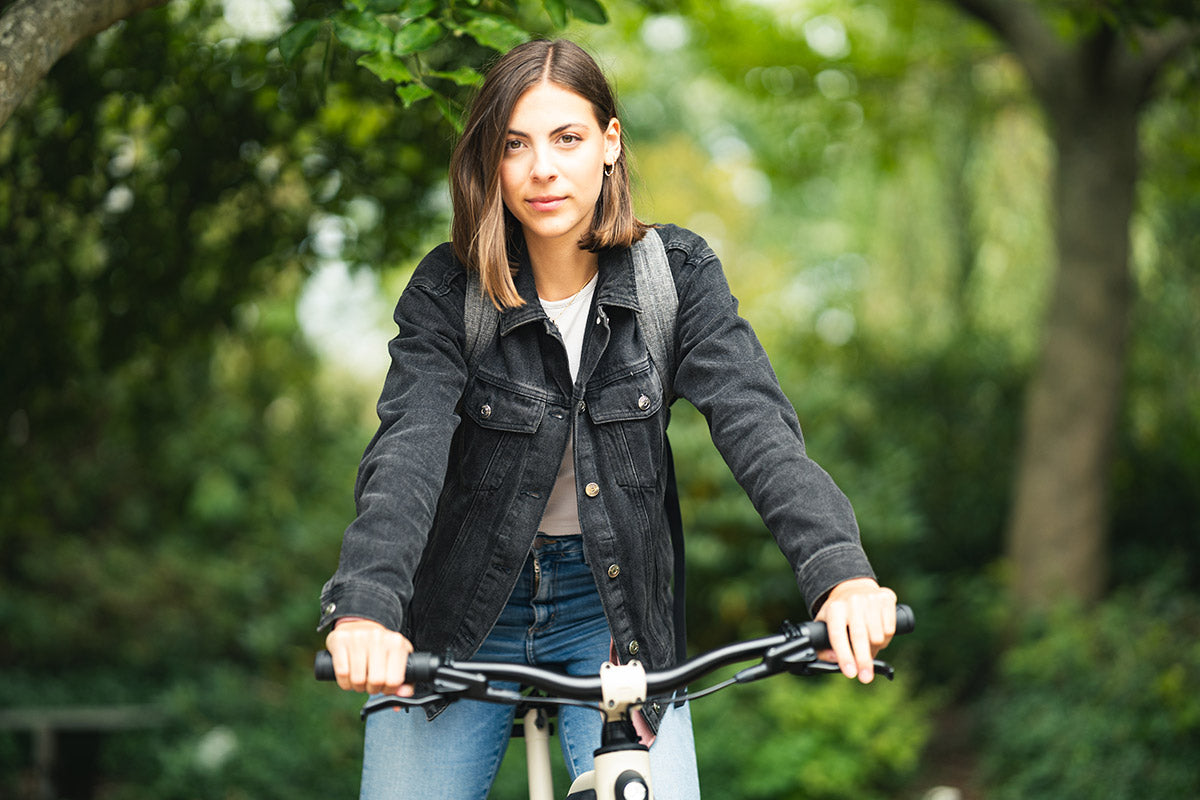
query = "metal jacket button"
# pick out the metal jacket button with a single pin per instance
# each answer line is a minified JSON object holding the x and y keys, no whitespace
{"x":582,"y":406}
{"x":592,"y":489}
{"x":485,"y":411}
{"x":643,"y":402}
{"x":614,"y":570}
{"x":634,"y":647}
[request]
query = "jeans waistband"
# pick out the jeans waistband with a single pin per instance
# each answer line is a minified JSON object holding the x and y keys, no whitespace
{"x":566,"y":545}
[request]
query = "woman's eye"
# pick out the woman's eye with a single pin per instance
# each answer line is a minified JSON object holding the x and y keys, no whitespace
{"x":569,"y":138}
{"x":513,"y":144}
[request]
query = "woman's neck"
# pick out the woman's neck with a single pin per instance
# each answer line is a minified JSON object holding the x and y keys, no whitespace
{"x":560,"y":269}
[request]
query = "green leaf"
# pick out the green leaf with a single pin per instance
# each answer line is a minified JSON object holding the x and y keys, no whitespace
{"x":360,"y":31}
{"x":588,"y":11}
{"x":449,"y":112}
{"x":418,"y":8}
{"x":297,"y":38}
{"x":381,"y":6}
{"x":410,"y":93}
{"x":405,"y":8}
{"x":557,"y":9}
{"x":463,"y":76}
{"x":418,"y":35}
{"x":387,"y":67}
{"x":495,"y":32}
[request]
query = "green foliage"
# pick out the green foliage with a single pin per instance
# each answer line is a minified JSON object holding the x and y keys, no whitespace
{"x":806,"y":738}
{"x":222,"y":733}
{"x":175,"y":471}
{"x":399,"y":40}
{"x":1129,"y":13}
{"x":175,"y":479}
{"x":1101,"y":703}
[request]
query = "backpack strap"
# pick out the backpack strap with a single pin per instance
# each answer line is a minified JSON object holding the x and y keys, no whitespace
{"x":659,"y":302}
{"x":479,"y":315}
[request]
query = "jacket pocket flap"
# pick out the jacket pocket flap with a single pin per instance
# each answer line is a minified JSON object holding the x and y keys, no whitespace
{"x":493,"y":405}
{"x":632,"y":394}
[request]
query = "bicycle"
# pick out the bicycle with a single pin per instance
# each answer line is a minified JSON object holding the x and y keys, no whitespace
{"x":621,"y":764}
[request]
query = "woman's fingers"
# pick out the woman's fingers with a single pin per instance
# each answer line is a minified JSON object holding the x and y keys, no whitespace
{"x":860,"y":616}
{"x":367,"y":657}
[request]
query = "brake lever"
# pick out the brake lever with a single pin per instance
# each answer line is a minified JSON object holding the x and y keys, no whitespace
{"x":428,"y":694}
{"x":384,"y":701}
{"x":443,"y":690}
{"x":819,"y":667}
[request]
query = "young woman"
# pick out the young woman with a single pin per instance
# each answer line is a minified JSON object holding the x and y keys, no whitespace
{"x":512,"y":508}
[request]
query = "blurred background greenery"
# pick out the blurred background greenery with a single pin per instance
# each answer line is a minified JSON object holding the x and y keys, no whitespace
{"x":200,"y":245}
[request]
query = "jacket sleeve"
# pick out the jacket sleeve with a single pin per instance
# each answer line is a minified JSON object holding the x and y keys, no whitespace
{"x":404,"y":466}
{"x":724,"y":372}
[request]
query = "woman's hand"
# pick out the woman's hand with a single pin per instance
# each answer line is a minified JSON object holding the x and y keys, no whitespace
{"x":367,"y":657}
{"x":861,"y":618}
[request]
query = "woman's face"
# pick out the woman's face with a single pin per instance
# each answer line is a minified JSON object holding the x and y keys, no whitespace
{"x":553,"y":163}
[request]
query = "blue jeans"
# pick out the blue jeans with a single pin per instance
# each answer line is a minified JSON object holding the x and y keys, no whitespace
{"x":554,"y":619}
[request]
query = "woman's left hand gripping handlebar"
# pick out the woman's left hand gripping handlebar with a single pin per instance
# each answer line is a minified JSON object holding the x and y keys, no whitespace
{"x":367,"y":657}
{"x":860,"y":616}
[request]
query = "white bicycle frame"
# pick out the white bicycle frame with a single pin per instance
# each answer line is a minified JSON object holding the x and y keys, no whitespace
{"x":618,"y":774}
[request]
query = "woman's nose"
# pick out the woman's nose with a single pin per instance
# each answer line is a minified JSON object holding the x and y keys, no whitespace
{"x":544,"y":168}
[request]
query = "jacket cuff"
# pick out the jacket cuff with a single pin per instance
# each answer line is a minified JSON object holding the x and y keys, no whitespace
{"x":360,"y":600}
{"x":818,"y":575}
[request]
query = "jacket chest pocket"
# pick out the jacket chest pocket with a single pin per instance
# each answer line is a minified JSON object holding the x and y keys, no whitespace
{"x":502,"y":420}
{"x":624,"y":407}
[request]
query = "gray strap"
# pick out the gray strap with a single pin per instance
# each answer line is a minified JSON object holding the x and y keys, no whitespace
{"x":659,"y":301}
{"x":479,"y":315}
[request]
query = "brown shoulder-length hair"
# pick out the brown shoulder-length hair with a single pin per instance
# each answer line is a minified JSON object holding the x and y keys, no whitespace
{"x":483,"y":233}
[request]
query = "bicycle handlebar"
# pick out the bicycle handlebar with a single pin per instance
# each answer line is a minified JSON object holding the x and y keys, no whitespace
{"x":793,"y":649}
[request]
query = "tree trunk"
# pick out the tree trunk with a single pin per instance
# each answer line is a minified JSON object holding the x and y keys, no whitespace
{"x":1057,"y":537}
{"x":35,"y":34}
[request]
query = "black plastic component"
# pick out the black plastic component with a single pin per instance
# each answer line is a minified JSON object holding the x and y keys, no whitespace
{"x":631,"y":785}
{"x":323,"y":666}
{"x":422,"y":667}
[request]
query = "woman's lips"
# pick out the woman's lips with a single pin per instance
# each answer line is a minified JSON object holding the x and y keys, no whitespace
{"x":548,"y":203}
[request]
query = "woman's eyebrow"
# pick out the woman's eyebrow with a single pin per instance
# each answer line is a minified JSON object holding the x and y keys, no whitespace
{"x":559,"y":129}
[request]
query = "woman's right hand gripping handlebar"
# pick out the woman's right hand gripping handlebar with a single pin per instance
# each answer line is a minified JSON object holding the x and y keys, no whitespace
{"x":367,"y":657}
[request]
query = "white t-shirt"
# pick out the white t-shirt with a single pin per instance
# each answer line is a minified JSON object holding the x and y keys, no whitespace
{"x":561,"y":517}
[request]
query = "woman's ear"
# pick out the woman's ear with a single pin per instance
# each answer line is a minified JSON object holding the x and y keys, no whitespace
{"x":612,"y":141}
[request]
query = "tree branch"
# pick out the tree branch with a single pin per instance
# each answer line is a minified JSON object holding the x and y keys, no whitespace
{"x":1021,"y":27}
{"x":35,"y":34}
{"x":1154,"y":49}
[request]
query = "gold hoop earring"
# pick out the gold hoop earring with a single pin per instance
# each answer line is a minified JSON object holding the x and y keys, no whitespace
{"x":608,"y":170}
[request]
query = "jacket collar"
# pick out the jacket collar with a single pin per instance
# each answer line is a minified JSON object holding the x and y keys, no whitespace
{"x":616,"y":287}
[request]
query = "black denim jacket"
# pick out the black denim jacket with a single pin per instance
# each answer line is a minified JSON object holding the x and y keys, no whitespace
{"x":452,"y":487}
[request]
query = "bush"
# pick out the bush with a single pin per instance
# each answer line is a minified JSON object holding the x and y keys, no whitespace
{"x":818,"y":739}
{"x":1101,"y":703}
{"x":231,"y":734}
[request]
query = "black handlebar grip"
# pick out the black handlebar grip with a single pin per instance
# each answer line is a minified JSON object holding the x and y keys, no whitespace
{"x":323,"y":666}
{"x":421,"y":667}
{"x":818,"y":634}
